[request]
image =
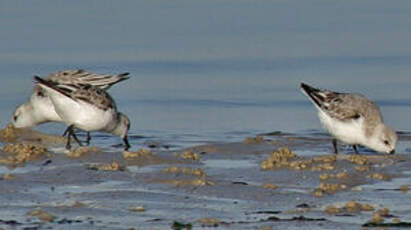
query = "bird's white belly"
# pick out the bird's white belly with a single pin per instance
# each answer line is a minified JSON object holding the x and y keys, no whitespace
{"x":350,"y":132}
{"x":45,"y":108}
{"x":82,"y":115}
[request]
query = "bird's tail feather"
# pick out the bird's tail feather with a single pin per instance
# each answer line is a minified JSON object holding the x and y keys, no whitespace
{"x":314,"y":94}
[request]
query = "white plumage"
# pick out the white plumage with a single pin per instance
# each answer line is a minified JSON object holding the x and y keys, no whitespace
{"x":352,"y":119}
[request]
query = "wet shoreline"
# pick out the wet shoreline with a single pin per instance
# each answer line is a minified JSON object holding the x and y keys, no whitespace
{"x":276,"y":181}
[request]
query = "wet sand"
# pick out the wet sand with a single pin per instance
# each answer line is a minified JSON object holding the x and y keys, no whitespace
{"x":276,"y":181}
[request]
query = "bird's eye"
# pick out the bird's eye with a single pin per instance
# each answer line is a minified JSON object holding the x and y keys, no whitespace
{"x":15,"y":117}
{"x":386,"y":142}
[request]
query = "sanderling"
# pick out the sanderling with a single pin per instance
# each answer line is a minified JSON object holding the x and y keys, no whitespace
{"x":39,"y":109}
{"x":353,"y":119}
{"x":85,"y":107}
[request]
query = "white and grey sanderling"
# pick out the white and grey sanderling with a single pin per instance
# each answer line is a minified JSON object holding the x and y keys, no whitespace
{"x":39,"y":109}
{"x":85,"y":107}
{"x":353,"y":119}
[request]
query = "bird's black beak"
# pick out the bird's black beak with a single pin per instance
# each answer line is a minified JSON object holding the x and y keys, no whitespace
{"x":392,"y":152}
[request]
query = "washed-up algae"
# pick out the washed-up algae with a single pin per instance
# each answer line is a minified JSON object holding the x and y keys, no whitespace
{"x":377,"y":218}
{"x":138,"y":209}
{"x":114,"y":166}
{"x":81,"y":151}
{"x":404,"y":188}
{"x":279,"y":159}
{"x":185,"y":170}
{"x":42,"y":215}
{"x":18,"y":154}
{"x":327,"y":188}
{"x":254,"y":140}
{"x":16,"y":135}
{"x":379,"y":176}
{"x":188,"y":155}
{"x":8,"y":176}
{"x":9,"y":133}
{"x":190,"y":176}
{"x":137,"y":154}
{"x":340,"y":175}
{"x":284,"y":158}
{"x":209,"y":222}
{"x":270,"y":186}
{"x":188,"y":182}
{"x":366,"y":167}
{"x":349,"y":207}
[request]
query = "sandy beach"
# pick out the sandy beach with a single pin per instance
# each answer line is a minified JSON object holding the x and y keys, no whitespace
{"x":263,"y":182}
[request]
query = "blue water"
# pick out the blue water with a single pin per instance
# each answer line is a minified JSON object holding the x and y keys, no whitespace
{"x":212,"y":70}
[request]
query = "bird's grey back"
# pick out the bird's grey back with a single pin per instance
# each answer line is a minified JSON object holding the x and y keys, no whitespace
{"x":346,"y":106}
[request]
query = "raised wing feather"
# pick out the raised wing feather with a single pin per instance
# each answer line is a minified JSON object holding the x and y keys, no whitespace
{"x":79,"y":76}
{"x":79,"y":92}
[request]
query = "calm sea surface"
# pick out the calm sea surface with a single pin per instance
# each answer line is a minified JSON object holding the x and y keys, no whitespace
{"x":212,"y":70}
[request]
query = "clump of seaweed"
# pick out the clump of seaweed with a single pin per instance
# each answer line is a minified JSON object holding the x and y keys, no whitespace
{"x":189,"y":171}
{"x":326,"y":188}
{"x":379,"y":176}
{"x":340,"y":175}
{"x":278,"y":159}
{"x":136,"y":154}
{"x":349,"y":207}
{"x":19,"y":154}
{"x":270,"y":186}
{"x":138,"y":209}
{"x":209,"y":222}
{"x":358,"y":159}
{"x":8,"y":133}
{"x":404,"y":188}
{"x":81,"y":151}
{"x":199,"y":180}
{"x":285,"y":158}
{"x":42,"y":215}
{"x":254,"y":140}
{"x":114,"y":166}
{"x":188,"y":155}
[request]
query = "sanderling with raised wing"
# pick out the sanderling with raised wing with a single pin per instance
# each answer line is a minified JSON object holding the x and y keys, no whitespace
{"x":39,"y":109}
{"x":352,"y":119}
{"x":85,"y":107}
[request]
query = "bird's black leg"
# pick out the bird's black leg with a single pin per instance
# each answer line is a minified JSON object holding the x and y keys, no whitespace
{"x":75,"y":138}
{"x":126,"y":143}
{"x":68,"y":132}
{"x":335,"y":145}
{"x":68,"y":145}
{"x":355,"y":149}
{"x":88,"y":138}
